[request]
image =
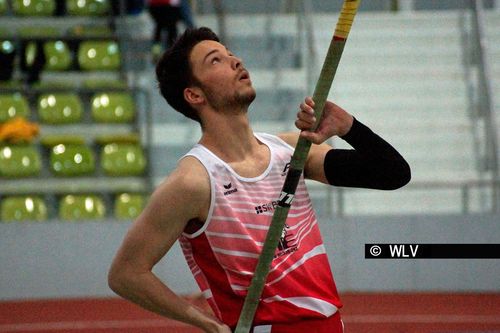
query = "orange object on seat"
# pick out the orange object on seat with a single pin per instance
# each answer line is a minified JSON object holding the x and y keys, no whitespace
{"x":18,"y":130}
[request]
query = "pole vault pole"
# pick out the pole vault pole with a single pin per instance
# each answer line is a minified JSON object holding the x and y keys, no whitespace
{"x":297,"y":163}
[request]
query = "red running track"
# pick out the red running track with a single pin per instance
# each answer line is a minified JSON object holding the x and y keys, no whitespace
{"x":362,"y":313}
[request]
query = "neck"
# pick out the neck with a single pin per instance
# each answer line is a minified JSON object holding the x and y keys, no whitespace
{"x":229,"y":136}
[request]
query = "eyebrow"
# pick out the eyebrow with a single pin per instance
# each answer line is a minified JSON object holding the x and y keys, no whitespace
{"x":212,"y":52}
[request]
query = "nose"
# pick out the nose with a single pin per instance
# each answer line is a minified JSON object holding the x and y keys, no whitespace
{"x":236,"y":62}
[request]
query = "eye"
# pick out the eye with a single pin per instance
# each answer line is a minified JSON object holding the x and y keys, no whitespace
{"x":215,"y":60}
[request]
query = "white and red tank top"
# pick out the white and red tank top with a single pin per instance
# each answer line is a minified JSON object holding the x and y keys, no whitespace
{"x":223,"y":254}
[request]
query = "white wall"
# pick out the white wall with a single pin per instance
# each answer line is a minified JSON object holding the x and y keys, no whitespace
{"x":56,"y":259}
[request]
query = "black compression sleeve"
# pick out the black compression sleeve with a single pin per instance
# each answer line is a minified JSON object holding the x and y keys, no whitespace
{"x":373,"y":163}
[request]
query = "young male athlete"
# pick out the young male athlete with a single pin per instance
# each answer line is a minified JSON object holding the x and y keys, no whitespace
{"x":219,"y":201}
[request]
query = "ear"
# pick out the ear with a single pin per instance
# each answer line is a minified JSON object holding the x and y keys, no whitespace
{"x":194,"y":96}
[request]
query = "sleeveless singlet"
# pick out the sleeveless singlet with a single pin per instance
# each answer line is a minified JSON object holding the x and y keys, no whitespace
{"x":223,"y":254}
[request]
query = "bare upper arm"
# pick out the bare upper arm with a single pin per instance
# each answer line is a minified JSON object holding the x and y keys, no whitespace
{"x":315,"y":160}
{"x":183,"y":196}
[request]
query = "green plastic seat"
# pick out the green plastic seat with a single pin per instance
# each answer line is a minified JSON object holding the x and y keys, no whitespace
{"x":87,"y":7}
{"x":3,"y":7}
{"x":23,"y":208}
{"x":13,"y":105}
{"x":33,"y":7}
{"x":123,"y":159}
{"x":71,"y":160}
{"x":128,"y":206}
{"x":113,"y":108}
{"x":60,"y":108}
{"x":99,"y":56}
{"x":81,"y":207}
{"x":19,"y":161}
{"x":58,"y":56}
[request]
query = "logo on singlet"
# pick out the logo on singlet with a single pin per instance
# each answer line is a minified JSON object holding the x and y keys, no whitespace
{"x":287,"y":243}
{"x":267,"y":207}
{"x":229,"y":189}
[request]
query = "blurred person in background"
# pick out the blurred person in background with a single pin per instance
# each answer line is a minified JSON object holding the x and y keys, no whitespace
{"x":166,"y":14}
{"x":187,"y":14}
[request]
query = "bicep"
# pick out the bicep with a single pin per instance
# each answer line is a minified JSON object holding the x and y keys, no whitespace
{"x":161,"y":223}
{"x":151,"y":235}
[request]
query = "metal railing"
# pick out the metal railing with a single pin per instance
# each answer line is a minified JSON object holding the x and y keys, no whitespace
{"x":335,"y":205}
{"x":478,"y":80}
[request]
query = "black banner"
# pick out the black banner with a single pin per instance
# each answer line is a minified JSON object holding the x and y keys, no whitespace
{"x":432,"y":251}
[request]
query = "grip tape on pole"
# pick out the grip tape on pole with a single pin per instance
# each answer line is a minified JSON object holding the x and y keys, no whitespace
{"x":346,"y":18}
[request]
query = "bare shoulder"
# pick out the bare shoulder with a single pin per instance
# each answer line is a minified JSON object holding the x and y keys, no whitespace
{"x":187,"y":189}
{"x":189,"y":177}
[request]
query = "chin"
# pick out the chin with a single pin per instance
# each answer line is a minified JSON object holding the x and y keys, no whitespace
{"x":248,"y":97}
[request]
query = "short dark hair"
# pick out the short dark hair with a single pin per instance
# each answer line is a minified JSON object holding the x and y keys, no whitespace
{"x":174,"y":72}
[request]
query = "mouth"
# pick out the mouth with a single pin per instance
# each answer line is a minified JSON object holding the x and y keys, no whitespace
{"x":244,"y":76}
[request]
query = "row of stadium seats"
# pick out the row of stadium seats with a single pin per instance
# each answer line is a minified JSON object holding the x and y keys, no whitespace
{"x":71,"y":207}
{"x":72,"y":160}
{"x":90,"y":55}
{"x":60,"y":175}
{"x":48,"y":7}
{"x":66,"y":108}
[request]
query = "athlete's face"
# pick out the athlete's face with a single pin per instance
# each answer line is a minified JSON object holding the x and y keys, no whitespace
{"x":223,"y":79}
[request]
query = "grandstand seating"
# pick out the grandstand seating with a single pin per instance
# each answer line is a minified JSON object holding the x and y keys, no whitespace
{"x":72,"y":160}
{"x":408,"y":79}
{"x":99,"y":56}
{"x":3,"y":7}
{"x":23,"y":208}
{"x":123,"y":159}
{"x":81,"y":207}
{"x":12,"y":106}
{"x":400,"y":74}
{"x":58,"y":56}
{"x":128,"y":205}
{"x":21,"y":160}
{"x":492,"y":44}
{"x":88,"y":119}
{"x":33,"y":7}
{"x":60,"y":108}
{"x":88,"y":7}
{"x":113,"y":108}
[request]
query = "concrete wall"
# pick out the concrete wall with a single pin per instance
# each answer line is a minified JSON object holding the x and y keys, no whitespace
{"x":56,"y":259}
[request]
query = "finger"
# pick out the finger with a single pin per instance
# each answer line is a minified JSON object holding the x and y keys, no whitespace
{"x":309,"y":101}
{"x":306,"y":108}
{"x":302,"y":125}
{"x":307,"y":117}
